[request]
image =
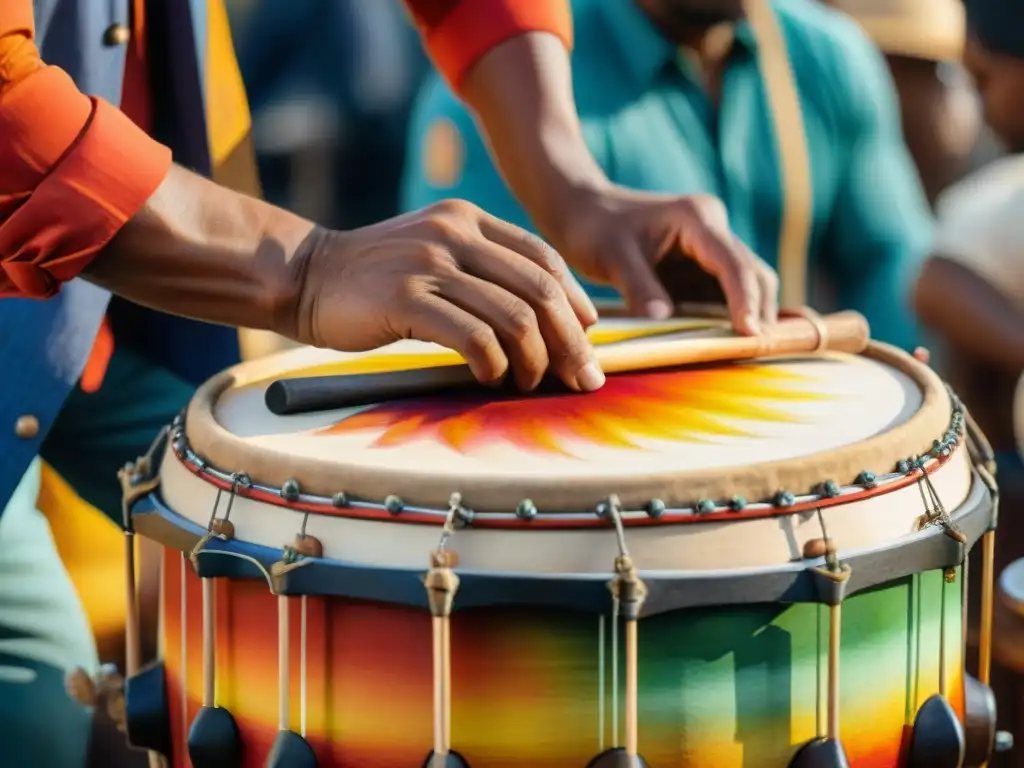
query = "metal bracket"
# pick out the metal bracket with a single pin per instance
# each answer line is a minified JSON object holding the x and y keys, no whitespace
{"x":829,"y":583}
{"x":141,"y":477}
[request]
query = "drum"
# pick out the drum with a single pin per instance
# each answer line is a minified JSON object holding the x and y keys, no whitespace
{"x":744,"y":565}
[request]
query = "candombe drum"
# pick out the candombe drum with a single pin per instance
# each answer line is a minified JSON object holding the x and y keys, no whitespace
{"x":748,"y":564}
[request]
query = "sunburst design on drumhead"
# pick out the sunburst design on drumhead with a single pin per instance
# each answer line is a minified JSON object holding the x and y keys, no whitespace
{"x":686,"y":405}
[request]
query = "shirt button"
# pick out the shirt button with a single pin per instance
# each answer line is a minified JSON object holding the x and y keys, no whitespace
{"x":116,"y":34}
{"x":26,"y":427}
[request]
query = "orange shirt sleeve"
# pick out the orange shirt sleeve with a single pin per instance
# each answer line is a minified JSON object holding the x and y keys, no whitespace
{"x":65,"y":190}
{"x":457,"y":33}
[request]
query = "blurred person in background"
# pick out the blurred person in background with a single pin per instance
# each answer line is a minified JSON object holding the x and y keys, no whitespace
{"x":971,"y":291}
{"x":330,"y":83}
{"x":940,"y":112}
{"x":671,"y":101}
{"x":88,"y":193}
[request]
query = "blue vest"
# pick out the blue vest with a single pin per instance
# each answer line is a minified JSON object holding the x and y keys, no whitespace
{"x":44,"y":345}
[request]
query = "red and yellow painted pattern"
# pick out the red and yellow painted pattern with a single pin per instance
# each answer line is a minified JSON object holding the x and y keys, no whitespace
{"x":736,"y":687}
{"x":688,"y":405}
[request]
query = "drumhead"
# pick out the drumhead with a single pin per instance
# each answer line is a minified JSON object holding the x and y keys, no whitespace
{"x":711,"y":431}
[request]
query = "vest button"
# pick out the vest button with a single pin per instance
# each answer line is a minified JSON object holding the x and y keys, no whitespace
{"x":116,"y":34}
{"x":26,"y":427}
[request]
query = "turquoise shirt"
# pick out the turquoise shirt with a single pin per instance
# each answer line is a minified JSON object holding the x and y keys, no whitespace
{"x":650,"y":125}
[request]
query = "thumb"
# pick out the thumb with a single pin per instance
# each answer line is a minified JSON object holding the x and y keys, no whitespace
{"x":634,"y":277}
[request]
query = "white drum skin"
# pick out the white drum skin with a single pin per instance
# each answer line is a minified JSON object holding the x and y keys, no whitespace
{"x":795,"y":411}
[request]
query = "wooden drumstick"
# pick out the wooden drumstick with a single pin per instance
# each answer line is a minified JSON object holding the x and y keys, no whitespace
{"x":840,"y":332}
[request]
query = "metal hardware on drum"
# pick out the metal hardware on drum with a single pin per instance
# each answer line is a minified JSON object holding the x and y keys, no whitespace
{"x":628,"y":594}
{"x":290,"y":749}
{"x":442,"y":585}
{"x":827,"y":751}
{"x":214,"y":740}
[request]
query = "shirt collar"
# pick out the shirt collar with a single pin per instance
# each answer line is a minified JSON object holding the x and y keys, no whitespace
{"x":643,"y":49}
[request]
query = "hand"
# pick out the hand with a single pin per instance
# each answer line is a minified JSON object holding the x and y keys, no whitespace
{"x":451,"y":274}
{"x":619,"y":236}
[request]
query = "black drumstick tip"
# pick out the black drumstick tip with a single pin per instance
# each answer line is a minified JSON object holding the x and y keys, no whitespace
{"x":276,"y":398}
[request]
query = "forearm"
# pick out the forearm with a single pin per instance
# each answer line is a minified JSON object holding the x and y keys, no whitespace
{"x":199,"y":250}
{"x":522,"y":94}
{"x":970,"y":313}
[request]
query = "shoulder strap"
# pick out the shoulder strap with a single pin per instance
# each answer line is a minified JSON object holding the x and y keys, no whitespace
{"x":794,"y":160}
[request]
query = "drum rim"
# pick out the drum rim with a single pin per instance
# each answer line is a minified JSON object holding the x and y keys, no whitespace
{"x":800,"y":581}
{"x":877,"y":455}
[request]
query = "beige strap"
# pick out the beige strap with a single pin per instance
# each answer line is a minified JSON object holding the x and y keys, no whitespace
{"x":795,"y":166}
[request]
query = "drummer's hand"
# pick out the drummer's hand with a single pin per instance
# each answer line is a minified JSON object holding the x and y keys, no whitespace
{"x":455,"y":275}
{"x":617,"y":236}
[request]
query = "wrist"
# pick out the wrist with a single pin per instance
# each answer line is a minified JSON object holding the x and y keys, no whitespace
{"x":286,"y":263}
{"x":577,"y":203}
{"x":571,"y":198}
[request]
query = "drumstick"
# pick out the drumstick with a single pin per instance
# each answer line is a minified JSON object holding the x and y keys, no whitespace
{"x":841,"y":332}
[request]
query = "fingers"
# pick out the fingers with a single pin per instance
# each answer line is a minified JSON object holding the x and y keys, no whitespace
{"x":432,"y":318}
{"x":636,"y":279}
{"x":769,"y":294}
{"x":768,"y":280}
{"x":544,"y":256}
{"x":712,"y":244}
{"x":512,"y":320}
{"x":739,"y":281}
{"x":524,"y":300}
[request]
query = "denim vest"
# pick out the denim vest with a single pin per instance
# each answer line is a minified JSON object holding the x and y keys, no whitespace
{"x":44,"y":345}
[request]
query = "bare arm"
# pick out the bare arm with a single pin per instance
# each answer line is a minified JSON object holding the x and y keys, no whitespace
{"x":971,"y":314}
{"x":200,"y":250}
{"x":449,"y":274}
{"x":522,"y":93}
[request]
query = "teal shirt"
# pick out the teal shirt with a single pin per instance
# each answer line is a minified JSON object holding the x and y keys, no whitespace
{"x":650,"y":125}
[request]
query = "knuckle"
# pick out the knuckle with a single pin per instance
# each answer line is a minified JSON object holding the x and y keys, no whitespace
{"x":522,"y":322}
{"x":434,"y":259}
{"x":456,"y":209}
{"x":548,"y":292}
{"x":481,"y":343}
{"x":445,"y":229}
{"x":410,"y":290}
{"x":708,"y":208}
{"x":543,"y":254}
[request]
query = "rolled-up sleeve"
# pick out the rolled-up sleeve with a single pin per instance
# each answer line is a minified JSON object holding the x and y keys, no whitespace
{"x":73,"y":170}
{"x":457,"y":33}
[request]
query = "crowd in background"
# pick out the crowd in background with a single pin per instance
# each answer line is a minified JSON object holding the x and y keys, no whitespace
{"x":330,"y":84}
